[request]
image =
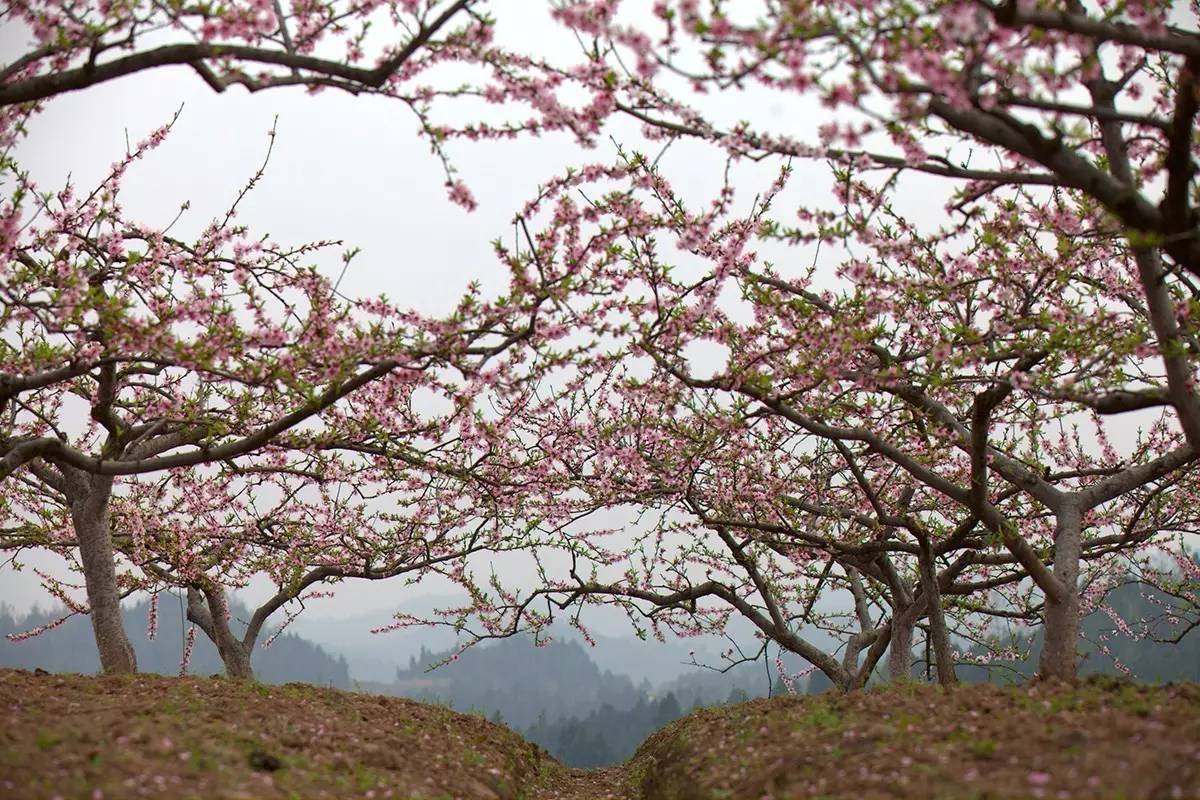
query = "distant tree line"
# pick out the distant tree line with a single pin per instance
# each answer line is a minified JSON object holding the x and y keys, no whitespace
{"x":70,"y":648}
{"x":607,"y":735}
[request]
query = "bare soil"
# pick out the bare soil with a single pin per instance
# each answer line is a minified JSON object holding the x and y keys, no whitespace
{"x":146,"y":736}
{"x":1102,"y":739}
{"x":138,"y":736}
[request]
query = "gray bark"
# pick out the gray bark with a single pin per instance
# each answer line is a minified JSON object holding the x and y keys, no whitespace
{"x":88,"y":496}
{"x":900,"y":644}
{"x":1061,"y":618}
{"x":938,"y":637}
{"x":208,"y":608}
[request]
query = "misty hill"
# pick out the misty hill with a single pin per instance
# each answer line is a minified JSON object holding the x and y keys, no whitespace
{"x":558,"y":696}
{"x":610,"y":735}
{"x":71,"y":647}
{"x":517,"y":679}
{"x":1106,"y":648}
{"x":605,"y":736}
{"x":373,"y":658}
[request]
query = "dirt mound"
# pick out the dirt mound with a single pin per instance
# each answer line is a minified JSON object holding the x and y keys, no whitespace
{"x":1103,"y":739}
{"x":146,"y":736}
{"x":72,"y":736}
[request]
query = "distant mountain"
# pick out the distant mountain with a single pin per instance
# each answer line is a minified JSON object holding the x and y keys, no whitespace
{"x":649,"y":659}
{"x":707,"y":687}
{"x":607,"y":735}
{"x":517,"y":679}
{"x":664,"y":663}
{"x":560,"y":698}
{"x":1106,"y":648}
{"x":374,"y":657}
{"x":71,"y":647}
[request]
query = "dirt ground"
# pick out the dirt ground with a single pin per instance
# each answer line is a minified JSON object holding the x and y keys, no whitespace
{"x":1101,"y":739}
{"x":147,"y":736}
{"x":150,"y":736}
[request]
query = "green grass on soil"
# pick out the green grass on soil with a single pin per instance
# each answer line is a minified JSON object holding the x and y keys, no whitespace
{"x":147,"y":736}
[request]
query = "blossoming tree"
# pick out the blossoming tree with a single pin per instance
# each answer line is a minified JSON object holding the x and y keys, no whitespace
{"x":914,"y":385}
{"x":131,"y":352}
{"x":928,"y":409}
{"x":128,"y":351}
{"x":1096,"y":100}
{"x":1061,"y":144}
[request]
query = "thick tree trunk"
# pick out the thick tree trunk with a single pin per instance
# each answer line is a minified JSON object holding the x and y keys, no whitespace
{"x":237,"y":661}
{"x":900,"y":645}
{"x":89,"y":496}
{"x":846,"y":680}
{"x":940,"y":639}
{"x":208,"y":608}
{"x":853,"y":675}
{"x":1059,"y":658}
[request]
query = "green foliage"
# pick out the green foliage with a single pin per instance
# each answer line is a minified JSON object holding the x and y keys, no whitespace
{"x":46,"y":740}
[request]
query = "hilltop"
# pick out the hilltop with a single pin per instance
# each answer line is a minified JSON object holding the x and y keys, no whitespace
{"x":156,"y":737}
{"x":1106,"y":738}
{"x":152,"y":736}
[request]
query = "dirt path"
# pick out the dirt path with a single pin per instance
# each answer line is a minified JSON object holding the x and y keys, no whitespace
{"x":587,"y":784}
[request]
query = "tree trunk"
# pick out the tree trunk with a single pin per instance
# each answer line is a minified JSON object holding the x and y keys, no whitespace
{"x":938,"y":636}
{"x":900,"y":644}
{"x":208,"y":608}
{"x":1059,"y":658}
{"x":237,"y":661}
{"x":89,"y":497}
{"x":843,"y":680}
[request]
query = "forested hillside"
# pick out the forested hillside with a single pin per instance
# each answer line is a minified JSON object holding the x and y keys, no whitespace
{"x":558,"y":697}
{"x":70,"y":647}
